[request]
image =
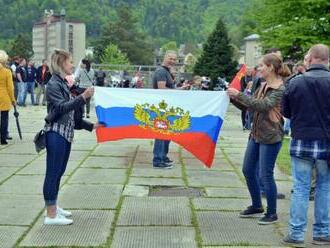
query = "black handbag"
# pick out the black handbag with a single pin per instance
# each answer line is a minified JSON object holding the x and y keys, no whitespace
{"x":40,"y":140}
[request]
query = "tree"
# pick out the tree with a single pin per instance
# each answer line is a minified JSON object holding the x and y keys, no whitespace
{"x":291,"y":26}
{"x":171,"y":45}
{"x":21,"y":46}
{"x":217,"y":56}
{"x":189,"y":62}
{"x":112,"y":55}
{"x":125,"y":34}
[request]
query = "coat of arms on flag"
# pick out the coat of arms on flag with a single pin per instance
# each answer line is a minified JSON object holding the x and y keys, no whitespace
{"x":192,"y":119}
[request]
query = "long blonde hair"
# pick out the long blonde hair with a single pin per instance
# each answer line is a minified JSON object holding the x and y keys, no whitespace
{"x":3,"y":58}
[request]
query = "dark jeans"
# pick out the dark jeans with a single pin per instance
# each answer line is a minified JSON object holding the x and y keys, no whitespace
{"x":161,"y":148}
{"x":265,"y":156}
{"x":4,"y":125}
{"x":15,"y":89}
{"x":30,"y":89}
{"x":58,"y":152}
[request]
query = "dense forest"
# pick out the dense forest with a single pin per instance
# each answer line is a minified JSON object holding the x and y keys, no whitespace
{"x":183,"y":21}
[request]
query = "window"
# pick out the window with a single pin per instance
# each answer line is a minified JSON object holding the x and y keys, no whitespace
{"x":70,"y":45}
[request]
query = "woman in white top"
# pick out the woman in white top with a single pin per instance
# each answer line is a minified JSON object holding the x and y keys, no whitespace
{"x":85,"y":78}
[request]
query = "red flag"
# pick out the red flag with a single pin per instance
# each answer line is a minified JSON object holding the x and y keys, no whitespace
{"x":236,"y":83}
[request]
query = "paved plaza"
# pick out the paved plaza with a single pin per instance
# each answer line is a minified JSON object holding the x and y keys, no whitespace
{"x":118,"y":200}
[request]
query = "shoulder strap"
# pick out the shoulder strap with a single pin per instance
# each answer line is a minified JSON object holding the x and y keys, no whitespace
{"x":317,"y":107}
{"x":88,"y":76}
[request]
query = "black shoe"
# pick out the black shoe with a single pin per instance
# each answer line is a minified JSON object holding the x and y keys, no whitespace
{"x":3,"y":142}
{"x":251,"y":212}
{"x":9,"y":138}
{"x":292,"y":242}
{"x":162,"y":166}
{"x":87,"y":116}
{"x":268,"y":219}
{"x":169,"y":161}
{"x":321,"y":240}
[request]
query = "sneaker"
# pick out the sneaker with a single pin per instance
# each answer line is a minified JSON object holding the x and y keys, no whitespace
{"x":62,"y":212}
{"x":268,"y":219}
{"x":163,"y":166}
{"x":87,"y":116}
{"x":169,"y":161}
{"x":59,"y":220}
{"x":287,"y":241}
{"x":251,"y":212}
{"x":321,"y":240}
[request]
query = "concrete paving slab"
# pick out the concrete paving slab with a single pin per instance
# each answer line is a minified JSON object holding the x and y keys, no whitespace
{"x":145,"y":211}
{"x":213,"y":178}
{"x":20,"y":148}
{"x":90,"y":228}
{"x":151,"y":181}
{"x":133,"y":190}
{"x":25,"y":184}
{"x":19,"y":210}
{"x":106,"y":162}
{"x":90,"y":196}
{"x":226,"y":204}
{"x":9,"y":235}
{"x":151,"y":237}
{"x":98,"y":176}
{"x":227,"y":192}
{"x":6,"y":172}
{"x":115,"y":150}
{"x":15,"y":160}
{"x":218,"y":164}
{"x":150,"y":172}
{"x":226,"y":228}
{"x":38,"y":167}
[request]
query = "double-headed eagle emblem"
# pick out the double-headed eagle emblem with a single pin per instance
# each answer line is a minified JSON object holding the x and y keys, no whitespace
{"x":161,"y":118}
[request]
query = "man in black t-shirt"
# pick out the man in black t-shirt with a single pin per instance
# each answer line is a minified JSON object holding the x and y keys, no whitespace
{"x":162,"y":79}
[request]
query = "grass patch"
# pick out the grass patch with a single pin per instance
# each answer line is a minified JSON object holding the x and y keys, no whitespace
{"x":283,"y":159}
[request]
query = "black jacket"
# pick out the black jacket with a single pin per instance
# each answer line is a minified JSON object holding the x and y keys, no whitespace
{"x":59,"y":104}
{"x":298,"y":104}
{"x":47,"y":77}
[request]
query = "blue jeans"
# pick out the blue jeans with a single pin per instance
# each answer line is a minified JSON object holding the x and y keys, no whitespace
{"x":30,"y":89}
{"x":302,"y":175}
{"x":262,"y":155}
{"x":58,"y":152}
{"x":161,"y":148}
{"x":22,"y":91}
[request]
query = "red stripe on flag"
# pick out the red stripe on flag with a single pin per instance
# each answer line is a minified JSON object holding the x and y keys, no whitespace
{"x":199,"y":144}
{"x":236,"y":83}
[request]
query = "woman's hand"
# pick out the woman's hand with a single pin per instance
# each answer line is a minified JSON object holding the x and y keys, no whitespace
{"x":97,"y":125}
{"x":232,"y":92}
{"x":88,"y":93}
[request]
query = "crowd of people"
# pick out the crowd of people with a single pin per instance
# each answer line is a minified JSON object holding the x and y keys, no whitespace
{"x":269,"y":93}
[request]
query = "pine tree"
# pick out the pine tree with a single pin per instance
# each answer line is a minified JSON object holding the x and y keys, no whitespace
{"x":21,"y":46}
{"x":217,"y":56}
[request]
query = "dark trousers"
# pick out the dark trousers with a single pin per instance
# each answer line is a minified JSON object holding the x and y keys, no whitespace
{"x":243,"y":116}
{"x":265,"y":156}
{"x":88,"y":105}
{"x":58,"y":152}
{"x":15,"y":90}
{"x":4,"y":125}
{"x":161,"y":148}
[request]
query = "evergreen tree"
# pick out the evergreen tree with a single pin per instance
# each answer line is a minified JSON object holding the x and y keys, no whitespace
{"x":112,"y":55}
{"x":217,"y":56}
{"x":21,"y":46}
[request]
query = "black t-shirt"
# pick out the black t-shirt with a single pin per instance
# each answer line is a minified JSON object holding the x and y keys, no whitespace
{"x":162,"y":74}
{"x":22,"y":71}
{"x":100,"y":76}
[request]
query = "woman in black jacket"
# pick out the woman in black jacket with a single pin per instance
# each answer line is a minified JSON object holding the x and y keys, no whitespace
{"x":63,"y":116}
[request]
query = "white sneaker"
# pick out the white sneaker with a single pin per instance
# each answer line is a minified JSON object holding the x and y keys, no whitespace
{"x":59,"y":220}
{"x":61,"y":211}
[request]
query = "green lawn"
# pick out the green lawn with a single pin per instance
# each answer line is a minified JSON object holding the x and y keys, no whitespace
{"x":283,"y":159}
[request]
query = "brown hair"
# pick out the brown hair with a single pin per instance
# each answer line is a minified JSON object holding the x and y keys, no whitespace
{"x":272,"y":59}
{"x":57,"y":60}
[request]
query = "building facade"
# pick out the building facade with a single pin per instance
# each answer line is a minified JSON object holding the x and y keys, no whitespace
{"x":54,"y":31}
{"x":252,"y":50}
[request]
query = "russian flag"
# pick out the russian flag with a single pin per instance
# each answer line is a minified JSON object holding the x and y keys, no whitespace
{"x":192,"y":119}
